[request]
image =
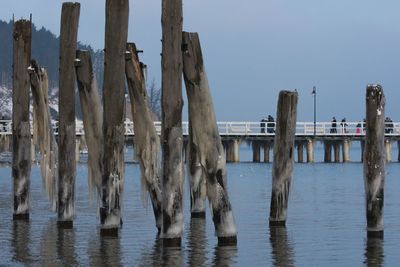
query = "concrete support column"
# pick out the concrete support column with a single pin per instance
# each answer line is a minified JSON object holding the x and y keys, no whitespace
{"x":300,"y":152}
{"x":266,"y":152}
{"x":310,"y":151}
{"x":33,"y":152}
{"x":256,"y":152}
{"x":398,"y":150}
{"x":327,"y":151}
{"x":346,"y":150}
{"x":336,"y":149}
{"x":236,"y":145}
{"x":230,"y":151}
{"x":77,"y":149}
{"x":388,"y":148}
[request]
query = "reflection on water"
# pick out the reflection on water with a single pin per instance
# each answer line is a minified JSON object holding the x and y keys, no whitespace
{"x":172,"y":256}
{"x":282,"y":250}
{"x":105,"y":251}
{"x":197,"y":242}
{"x":66,"y":246}
{"x":325,"y":227}
{"x":57,"y":245}
{"x":20,"y":241}
{"x":224,"y":255}
{"x":374,"y":256}
{"x":160,"y":256}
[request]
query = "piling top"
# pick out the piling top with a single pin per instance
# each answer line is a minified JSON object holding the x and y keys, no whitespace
{"x":376,"y":97}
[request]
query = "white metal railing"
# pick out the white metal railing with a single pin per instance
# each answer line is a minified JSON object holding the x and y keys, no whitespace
{"x":235,"y":128}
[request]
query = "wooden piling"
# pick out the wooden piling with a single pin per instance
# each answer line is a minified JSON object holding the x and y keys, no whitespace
{"x":197,"y":176}
{"x":47,"y":142}
{"x":266,"y":152}
{"x":66,"y":131}
{"x":171,"y":102}
{"x":256,"y":151}
{"x":310,"y":151}
{"x":327,"y":151}
{"x":300,"y":152}
{"x":206,"y":138}
{"x":147,"y":143}
{"x":374,"y":159}
{"x":116,"y":31}
{"x":21,"y":160}
{"x":346,"y":150}
{"x":92,"y":120}
{"x":282,"y":167}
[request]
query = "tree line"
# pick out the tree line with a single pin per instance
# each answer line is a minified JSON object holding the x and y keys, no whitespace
{"x":45,"y":49}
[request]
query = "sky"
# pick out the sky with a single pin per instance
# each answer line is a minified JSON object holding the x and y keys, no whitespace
{"x":253,"y":49}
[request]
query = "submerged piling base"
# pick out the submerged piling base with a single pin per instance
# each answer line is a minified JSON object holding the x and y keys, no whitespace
{"x":375,"y":234}
{"x":172,"y":242}
{"x":109,"y":232}
{"x":201,"y":214}
{"x":227,"y":240}
{"x":65,"y":224}
{"x":277,"y":223}
{"x":21,"y":217}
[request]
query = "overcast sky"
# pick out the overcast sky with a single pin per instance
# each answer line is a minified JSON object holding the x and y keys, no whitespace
{"x":255,"y":48}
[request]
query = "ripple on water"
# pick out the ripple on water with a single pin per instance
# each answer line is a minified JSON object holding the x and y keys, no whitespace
{"x":325,"y":225}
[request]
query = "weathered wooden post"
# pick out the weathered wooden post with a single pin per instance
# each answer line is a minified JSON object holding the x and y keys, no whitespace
{"x":310,"y":151}
{"x":197,"y":176}
{"x":206,"y":138}
{"x":282,"y":167}
{"x":147,"y":143}
{"x":47,"y":142}
{"x":374,"y":160}
{"x":66,"y":106}
{"x":117,"y":12}
{"x":346,"y":150}
{"x":21,"y":161}
{"x":172,"y":139}
{"x":92,"y":119}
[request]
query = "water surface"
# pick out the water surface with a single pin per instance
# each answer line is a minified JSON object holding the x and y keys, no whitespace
{"x":325,"y":226}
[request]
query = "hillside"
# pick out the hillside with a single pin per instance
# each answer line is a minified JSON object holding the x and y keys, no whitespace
{"x":45,"y":49}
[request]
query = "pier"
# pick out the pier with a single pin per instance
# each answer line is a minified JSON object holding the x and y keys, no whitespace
{"x":336,"y":145}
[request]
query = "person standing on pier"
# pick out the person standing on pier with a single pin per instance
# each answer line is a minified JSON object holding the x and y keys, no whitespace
{"x":334,"y":125}
{"x":344,"y":125}
{"x":270,"y":124}
{"x":262,"y":124}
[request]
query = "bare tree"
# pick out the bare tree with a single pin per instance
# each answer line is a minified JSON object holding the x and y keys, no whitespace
{"x":154,"y":99}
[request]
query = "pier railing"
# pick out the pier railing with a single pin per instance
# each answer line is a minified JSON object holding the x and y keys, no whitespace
{"x":235,"y":128}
